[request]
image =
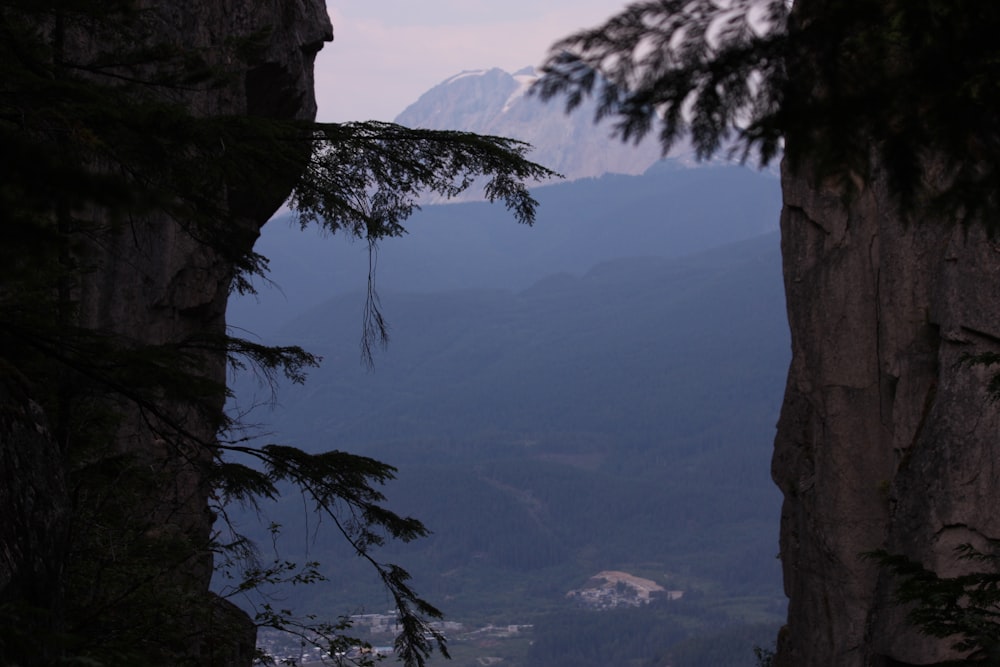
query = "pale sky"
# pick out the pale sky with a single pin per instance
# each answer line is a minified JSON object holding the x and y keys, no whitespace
{"x":386,"y":53}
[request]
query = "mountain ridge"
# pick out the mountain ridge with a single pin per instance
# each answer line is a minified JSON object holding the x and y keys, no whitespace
{"x":665,"y":212}
{"x":618,"y":419}
{"x":492,"y":101}
{"x":595,"y":393}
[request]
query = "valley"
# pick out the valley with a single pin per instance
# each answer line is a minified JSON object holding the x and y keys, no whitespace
{"x":615,"y":420}
{"x":593,"y":395}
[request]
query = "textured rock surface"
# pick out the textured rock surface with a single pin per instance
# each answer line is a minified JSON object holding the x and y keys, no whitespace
{"x":33,"y":501}
{"x":157,"y":284}
{"x":151,"y":282}
{"x":886,"y":440}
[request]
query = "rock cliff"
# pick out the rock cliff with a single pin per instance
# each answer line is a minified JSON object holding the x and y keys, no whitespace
{"x":887,"y":437}
{"x":153,"y":282}
{"x":886,"y":440}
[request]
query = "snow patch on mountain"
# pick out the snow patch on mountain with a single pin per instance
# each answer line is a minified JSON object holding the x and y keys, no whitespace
{"x":492,"y":101}
{"x":525,"y":78}
{"x":461,"y":75}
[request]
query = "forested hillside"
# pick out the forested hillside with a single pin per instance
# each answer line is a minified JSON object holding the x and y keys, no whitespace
{"x":669,"y":211}
{"x":621,"y":418}
{"x":885,"y":114}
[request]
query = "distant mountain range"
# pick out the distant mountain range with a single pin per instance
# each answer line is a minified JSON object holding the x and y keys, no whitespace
{"x":495,"y":102}
{"x":617,"y":420}
{"x":668,"y":211}
{"x":596,"y":393}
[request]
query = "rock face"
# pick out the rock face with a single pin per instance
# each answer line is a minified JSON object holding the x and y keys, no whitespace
{"x":159,"y":284}
{"x":154,"y":283}
{"x":886,"y":440}
{"x":33,"y":503}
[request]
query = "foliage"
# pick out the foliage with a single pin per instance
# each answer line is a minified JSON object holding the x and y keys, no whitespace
{"x":101,"y":148}
{"x":644,"y":460}
{"x":696,"y":66}
{"x":733,"y":645}
{"x":678,"y":633}
{"x":965,"y":606}
{"x":343,"y":488}
{"x":915,"y":80}
{"x":365,"y":178}
{"x":628,"y":636}
{"x":764,"y":656}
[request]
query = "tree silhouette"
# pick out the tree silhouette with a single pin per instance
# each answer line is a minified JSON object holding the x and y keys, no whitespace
{"x":114,"y":445}
{"x":893,"y":100}
{"x":905,"y":79}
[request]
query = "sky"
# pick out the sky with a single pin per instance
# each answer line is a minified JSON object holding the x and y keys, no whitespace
{"x":386,"y":53}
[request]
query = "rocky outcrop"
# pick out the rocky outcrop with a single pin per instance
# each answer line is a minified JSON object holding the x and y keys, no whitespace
{"x":158,"y":284}
{"x":886,"y":440}
{"x":33,"y":504}
{"x":154,"y":282}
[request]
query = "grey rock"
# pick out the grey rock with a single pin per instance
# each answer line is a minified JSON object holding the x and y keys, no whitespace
{"x":886,"y":439}
{"x":152,"y":282}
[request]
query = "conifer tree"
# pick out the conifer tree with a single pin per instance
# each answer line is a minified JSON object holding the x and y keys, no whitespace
{"x":750,"y":78}
{"x":113,"y":440}
{"x":851,"y":94}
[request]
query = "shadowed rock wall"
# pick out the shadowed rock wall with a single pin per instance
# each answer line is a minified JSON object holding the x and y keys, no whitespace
{"x":886,"y":439}
{"x":152,"y":282}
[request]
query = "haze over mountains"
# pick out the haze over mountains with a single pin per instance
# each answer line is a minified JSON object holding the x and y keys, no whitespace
{"x":668,"y":211}
{"x":495,"y":102}
{"x":596,"y":393}
{"x":674,"y":206}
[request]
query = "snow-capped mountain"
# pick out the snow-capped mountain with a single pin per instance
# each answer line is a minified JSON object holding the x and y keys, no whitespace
{"x":495,"y":102}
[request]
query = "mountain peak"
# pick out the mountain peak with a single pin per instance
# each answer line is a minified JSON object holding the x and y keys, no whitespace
{"x":467,"y":73}
{"x":493,"y":101}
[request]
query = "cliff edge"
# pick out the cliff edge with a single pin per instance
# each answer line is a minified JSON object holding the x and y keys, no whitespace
{"x":147,"y":281}
{"x":887,"y":439}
